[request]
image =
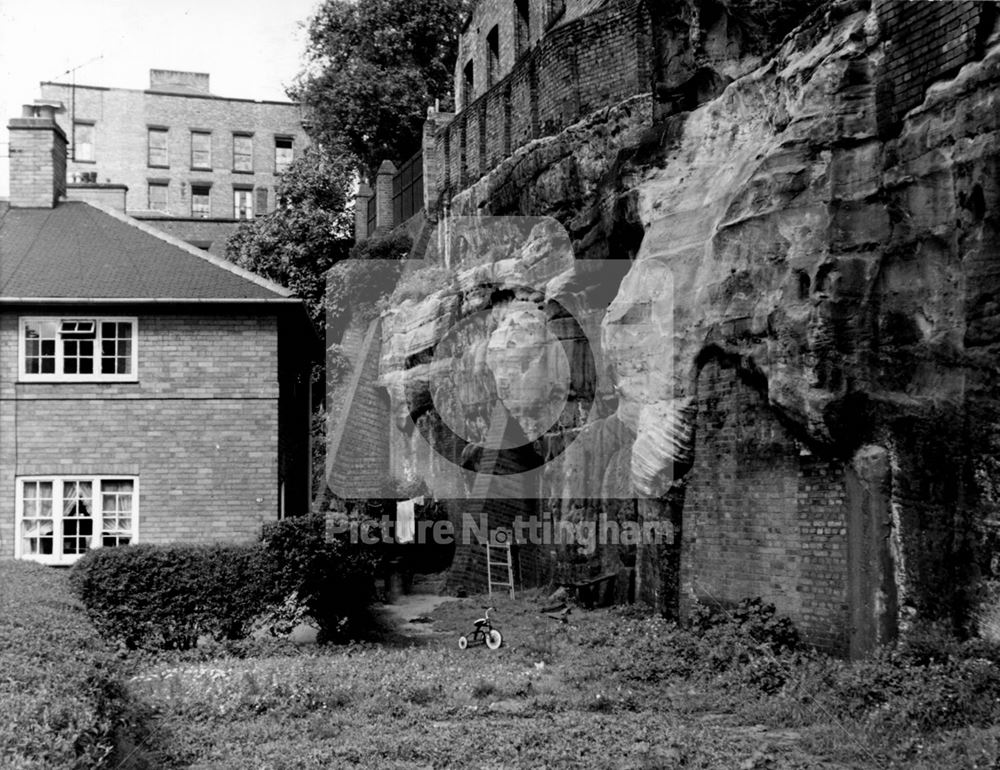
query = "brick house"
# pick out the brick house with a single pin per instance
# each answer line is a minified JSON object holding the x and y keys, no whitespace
{"x":193,"y":163}
{"x":149,"y":392}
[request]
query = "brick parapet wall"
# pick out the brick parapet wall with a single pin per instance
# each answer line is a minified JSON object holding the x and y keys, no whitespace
{"x":590,"y":62}
{"x":200,"y":427}
{"x":924,"y":41}
{"x":761,"y":516}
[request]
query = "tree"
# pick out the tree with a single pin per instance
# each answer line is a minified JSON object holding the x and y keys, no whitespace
{"x":374,"y":66}
{"x":308,"y":231}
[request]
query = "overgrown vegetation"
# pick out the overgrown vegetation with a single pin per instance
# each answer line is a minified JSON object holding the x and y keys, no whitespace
{"x":61,"y":695}
{"x":168,"y":597}
{"x":731,"y":689}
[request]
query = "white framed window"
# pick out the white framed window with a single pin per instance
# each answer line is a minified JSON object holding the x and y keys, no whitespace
{"x":242,"y":203}
{"x":60,"y":518}
{"x":78,"y":349}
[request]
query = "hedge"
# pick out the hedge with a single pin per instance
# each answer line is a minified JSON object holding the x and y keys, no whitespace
{"x":169,"y":596}
{"x":60,"y":688}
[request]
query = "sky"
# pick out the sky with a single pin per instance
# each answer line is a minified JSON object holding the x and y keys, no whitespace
{"x":252,"y":49}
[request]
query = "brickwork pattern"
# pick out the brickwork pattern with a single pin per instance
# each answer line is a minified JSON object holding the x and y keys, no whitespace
{"x":199,"y":429}
{"x":760,"y":517}
{"x":925,"y":41}
{"x":121,"y":119}
{"x":357,"y":449}
{"x":37,"y":162}
{"x":589,"y":62}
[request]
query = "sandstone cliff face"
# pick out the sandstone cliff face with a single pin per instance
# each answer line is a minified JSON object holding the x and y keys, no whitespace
{"x":796,"y":337}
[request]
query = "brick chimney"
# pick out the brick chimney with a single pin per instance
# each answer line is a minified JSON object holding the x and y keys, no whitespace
{"x":37,"y":158}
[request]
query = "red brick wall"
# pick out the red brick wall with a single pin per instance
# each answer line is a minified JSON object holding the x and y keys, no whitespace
{"x":199,"y":428}
{"x":761,"y":516}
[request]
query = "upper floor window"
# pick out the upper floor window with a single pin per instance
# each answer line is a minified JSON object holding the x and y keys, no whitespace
{"x":282,"y":153}
{"x":522,"y":26}
{"x":261,"y":200}
{"x":242,"y":152}
{"x":77,"y":349}
{"x":201,"y":150}
{"x":157,"y":192}
{"x":468,"y":84}
{"x":493,"y":56}
{"x":201,"y":206}
{"x":158,"y":147}
{"x":60,"y":518}
{"x":83,"y":142}
{"x":242,"y":204}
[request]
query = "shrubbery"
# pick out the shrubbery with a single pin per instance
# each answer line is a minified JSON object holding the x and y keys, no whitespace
{"x":167,"y":597}
{"x":60,"y":695}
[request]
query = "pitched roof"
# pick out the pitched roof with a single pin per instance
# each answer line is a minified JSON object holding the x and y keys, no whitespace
{"x":81,"y":251}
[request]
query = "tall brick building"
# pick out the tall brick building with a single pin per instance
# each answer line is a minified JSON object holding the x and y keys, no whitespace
{"x":148,"y":391}
{"x":194,"y":163}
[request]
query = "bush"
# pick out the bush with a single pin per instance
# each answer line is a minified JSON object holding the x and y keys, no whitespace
{"x":60,"y":692}
{"x":167,"y":597}
{"x":333,"y":580}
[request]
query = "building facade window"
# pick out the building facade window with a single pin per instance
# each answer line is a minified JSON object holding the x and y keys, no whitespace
{"x":493,"y":57}
{"x":468,"y":84}
{"x":243,"y":153}
{"x":242,"y":203}
{"x":83,"y":142}
{"x":283,"y":153}
{"x":201,"y":196}
{"x":78,"y":349}
{"x":157,"y":196}
{"x":201,"y":150}
{"x":157,"y":141}
{"x":522,"y":27}
{"x":60,"y":518}
{"x":261,"y":201}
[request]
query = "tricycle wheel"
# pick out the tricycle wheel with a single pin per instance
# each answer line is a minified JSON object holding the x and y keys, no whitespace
{"x":494,"y":639}
{"x":463,"y":642}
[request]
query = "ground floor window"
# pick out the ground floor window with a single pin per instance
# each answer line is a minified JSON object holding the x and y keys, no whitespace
{"x":61,"y":518}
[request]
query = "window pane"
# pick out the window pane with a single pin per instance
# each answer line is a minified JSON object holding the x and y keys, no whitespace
{"x":200,"y":206}
{"x":78,"y":526}
{"x":157,"y":147}
{"x":158,"y":197}
{"x":201,"y":150}
{"x":117,"y":501}
{"x":83,"y":142}
{"x":242,"y":153}
{"x":282,"y":154}
{"x":37,"y":525}
{"x":242,"y":204}
{"x":40,"y":347}
{"x":116,"y":347}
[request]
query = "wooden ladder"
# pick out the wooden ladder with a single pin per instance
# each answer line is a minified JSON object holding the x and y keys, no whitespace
{"x":505,"y":562}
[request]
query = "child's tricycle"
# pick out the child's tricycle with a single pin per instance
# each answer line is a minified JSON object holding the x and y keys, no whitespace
{"x":483,"y":632}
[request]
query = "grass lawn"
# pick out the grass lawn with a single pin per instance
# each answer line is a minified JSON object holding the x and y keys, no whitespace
{"x":609,"y":689}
